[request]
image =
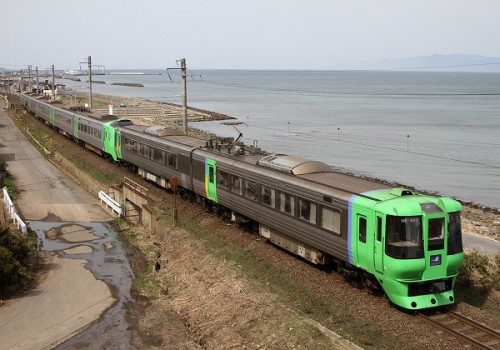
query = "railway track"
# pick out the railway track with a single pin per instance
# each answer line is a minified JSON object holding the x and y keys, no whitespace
{"x":462,"y":327}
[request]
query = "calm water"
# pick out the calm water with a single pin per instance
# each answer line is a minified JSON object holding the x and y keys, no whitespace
{"x":435,"y":131}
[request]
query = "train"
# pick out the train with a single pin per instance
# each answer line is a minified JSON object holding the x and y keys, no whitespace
{"x":406,"y":244}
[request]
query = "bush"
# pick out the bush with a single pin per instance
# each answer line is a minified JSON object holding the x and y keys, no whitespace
{"x":480,"y":271}
{"x":18,"y":260}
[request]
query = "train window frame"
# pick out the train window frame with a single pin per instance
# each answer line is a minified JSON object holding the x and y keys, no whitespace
{"x":251,"y":190}
{"x":223,"y":179}
{"x":336,"y":217}
{"x":435,"y":233}
{"x":404,"y":237}
{"x":455,"y":244}
{"x":380,"y":227}
{"x":145,"y":151}
{"x":211,"y":174}
{"x":271,"y":195}
{"x":362,"y":228}
{"x":234,"y":179}
{"x":283,"y":200}
{"x":308,"y":211}
{"x":157,"y":155}
{"x":172,"y":160}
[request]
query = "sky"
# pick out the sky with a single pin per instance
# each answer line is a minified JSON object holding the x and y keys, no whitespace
{"x":233,"y":34}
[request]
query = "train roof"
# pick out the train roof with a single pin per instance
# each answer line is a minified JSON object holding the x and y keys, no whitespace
{"x":349,"y":183}
{"x":293,"y":165}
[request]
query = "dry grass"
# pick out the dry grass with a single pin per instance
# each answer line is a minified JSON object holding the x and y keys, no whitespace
{"x":219,"y":306}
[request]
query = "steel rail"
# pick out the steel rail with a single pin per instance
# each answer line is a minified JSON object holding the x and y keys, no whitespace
{"x":470,"y":322}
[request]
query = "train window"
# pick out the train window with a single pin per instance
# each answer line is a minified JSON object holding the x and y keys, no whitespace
{"x":157,"y":155}
{"x":222,"y":179}
{"x":144,"y":150}
{"x":236,"y":185}
{"x":268,"y":196}
{"x":436,"y":233}
{"x":172,"y":160}
{"x":251,"y":190}
{"x":379,"y":229}
{"x":330,"y":219}
{"x":403,"y":237}
{"x":287,"y":203}
{"x":454,"y":234}
{"x":307,"y":211}
{"x":362,"y":229}
{"x":211,"y":174}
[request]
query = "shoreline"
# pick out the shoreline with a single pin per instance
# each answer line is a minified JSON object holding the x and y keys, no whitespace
{"x":489,"y":225}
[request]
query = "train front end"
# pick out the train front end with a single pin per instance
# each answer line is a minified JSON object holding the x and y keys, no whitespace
{"x":422,"y":250}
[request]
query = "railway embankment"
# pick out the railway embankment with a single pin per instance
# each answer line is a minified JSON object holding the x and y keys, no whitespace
{"x":211,"y":284}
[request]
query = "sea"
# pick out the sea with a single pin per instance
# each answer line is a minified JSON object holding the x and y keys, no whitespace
{"x":438,"y":132}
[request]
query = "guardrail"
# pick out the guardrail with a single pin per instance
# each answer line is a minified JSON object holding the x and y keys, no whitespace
{"x":104,"y":197}
{"x":12,"y":212}
{"x":135,"y":186}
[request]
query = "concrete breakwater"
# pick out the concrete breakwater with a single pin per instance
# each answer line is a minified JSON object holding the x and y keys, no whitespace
{"x":133,"y":73}
{"x":128,"y":84}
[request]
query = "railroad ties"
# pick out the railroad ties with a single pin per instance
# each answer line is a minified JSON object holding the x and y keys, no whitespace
{"x":465,"y":328}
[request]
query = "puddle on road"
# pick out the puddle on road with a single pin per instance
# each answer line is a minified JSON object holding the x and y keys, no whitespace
{"x":106,"y":259}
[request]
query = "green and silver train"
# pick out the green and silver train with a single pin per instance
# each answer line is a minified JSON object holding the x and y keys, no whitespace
{"x":407,"y":244}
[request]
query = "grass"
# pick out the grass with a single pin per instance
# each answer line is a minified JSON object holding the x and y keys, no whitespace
{"x":8,"y":182}
{"x":479,"y":276}
{"x":98,"y":175}
{"x":273,"y":280}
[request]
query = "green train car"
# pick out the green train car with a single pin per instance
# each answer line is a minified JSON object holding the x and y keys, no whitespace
{"x":411,"y":243}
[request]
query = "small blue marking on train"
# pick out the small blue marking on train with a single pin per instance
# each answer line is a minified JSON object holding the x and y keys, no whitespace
{"x":435,"y":260}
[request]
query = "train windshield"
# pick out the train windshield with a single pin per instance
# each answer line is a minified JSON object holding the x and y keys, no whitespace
{"x":454,"y":234}
{"x":435,"y":230}
{"x":404,"y":237}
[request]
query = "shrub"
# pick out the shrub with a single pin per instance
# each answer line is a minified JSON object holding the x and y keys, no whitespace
{"x":480,"y":271}
{"x":18,"y":260}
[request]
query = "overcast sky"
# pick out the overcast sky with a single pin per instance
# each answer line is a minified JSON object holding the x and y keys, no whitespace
{"x":232,"y":34}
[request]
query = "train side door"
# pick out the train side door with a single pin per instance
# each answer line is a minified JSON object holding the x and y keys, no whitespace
{"x":378,"y":249}
{"x":211,"y":179}
{"x":118,"y":144}
{"x":75,"y":131}
{"x":364,"y":242}
{"x":52,"y":116}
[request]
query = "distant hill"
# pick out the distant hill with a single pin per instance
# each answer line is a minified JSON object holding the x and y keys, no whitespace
{"x":434,"y":63}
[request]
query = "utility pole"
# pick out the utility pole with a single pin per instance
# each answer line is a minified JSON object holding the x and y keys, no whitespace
{"x":184,"y":95}
{"x":183,"y":92}
{"x":30,"y":90}
{"x":53,"y":84}
{"x":89,"y":62}
{"x":22,"y":81}
{"x":37,"y":82}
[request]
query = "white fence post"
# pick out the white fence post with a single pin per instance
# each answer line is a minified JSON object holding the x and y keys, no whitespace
{"x":12,"y":212}
{"x":104,"y":197}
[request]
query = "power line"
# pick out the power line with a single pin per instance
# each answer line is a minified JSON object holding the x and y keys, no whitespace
{"x":316,"y":93}
{"x":334,"y":138}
